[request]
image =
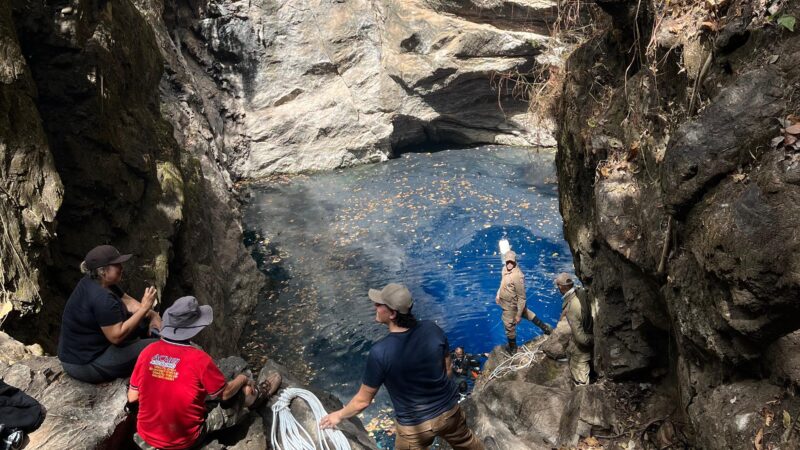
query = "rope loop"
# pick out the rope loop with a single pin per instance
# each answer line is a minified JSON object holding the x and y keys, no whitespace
{"x":288,"y":434}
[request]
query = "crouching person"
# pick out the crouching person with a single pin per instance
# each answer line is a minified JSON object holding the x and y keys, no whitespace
{"x":173,"y":379}
{"x":412,"y":361}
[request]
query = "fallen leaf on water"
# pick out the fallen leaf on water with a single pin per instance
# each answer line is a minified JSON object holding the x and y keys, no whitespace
{"x":769,"y":416}
{"x":759,"y":438}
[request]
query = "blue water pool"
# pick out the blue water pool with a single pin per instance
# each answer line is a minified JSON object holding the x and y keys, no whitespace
{"x":429,"y":220}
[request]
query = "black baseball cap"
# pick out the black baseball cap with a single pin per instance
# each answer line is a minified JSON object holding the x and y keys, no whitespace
{"x":104,"y":255}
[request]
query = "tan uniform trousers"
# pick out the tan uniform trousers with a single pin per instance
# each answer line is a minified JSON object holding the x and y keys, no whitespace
{"x":579,"y":360}
{"x":451,"y":426}
{"x":508,"y":321}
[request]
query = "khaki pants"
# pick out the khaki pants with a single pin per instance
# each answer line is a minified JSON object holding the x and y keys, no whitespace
{"x":508,"y":321}
{"x":579,"y":360}
{"x":451,"y":426}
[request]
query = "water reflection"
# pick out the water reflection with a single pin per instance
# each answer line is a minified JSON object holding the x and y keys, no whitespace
{"x":431,"y":221}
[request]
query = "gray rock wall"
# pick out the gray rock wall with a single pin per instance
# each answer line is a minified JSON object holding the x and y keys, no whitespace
{"x":138,"y":167}
{"x":680,"y":212}
{"x":317,"y":85}
{"x":30,"y":187}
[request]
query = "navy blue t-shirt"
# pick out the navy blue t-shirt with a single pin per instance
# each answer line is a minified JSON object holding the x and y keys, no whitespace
{"x":90,"y":306}
{"x":411,"y":366}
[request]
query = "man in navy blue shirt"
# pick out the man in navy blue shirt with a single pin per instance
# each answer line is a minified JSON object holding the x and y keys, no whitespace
{"x":412,"y":361}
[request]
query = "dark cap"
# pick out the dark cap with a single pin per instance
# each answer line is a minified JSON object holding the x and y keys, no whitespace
{"x":104,"y":255}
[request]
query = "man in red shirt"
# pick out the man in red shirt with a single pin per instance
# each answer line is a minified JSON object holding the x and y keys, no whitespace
{"x":172,"y":380}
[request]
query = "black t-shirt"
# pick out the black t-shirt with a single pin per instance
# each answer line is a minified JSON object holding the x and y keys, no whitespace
{"x":411,"y":366}
{"x":89,"y":307}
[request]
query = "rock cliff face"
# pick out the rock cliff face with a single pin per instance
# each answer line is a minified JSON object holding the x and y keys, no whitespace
{"x":680,"y":208}
{"x":138,"y":168}
{"x":30,"y":187}
{"x":324,"y":84}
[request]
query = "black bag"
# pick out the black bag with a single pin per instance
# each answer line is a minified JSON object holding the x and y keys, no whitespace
{"x":19,"y":410}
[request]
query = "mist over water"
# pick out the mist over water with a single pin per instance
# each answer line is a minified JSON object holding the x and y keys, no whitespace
{"x":429,"y":220}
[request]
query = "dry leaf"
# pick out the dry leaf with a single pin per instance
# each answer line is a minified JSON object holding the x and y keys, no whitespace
{"x":708,"y":26}
{"x":773,"y":59}
{"x":789,"y":139}
{"x":758,"y":440}
{"x":739,"y":177}
{"x":776,"y":141}
{"x":592,"y":441}
{"x":769,"y":416}
{"x":794,"y":129}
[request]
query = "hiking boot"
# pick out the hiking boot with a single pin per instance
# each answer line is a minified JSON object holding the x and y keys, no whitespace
{"x":546,"y":329}
{"x":266,"y":389}
{"x":512,"y":346}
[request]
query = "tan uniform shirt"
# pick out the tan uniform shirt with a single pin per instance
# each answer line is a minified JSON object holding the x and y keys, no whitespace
{"x":512,"y":290}
{"x":571,"y":308}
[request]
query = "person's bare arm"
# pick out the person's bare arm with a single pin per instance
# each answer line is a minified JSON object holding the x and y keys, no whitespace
{"x":133,"y":305}
{"x":119,"y":331}
{"x":233,"y":386}
{"x":358,"y":403}
{"x":448,"y":366}
{"x":133,"y":395}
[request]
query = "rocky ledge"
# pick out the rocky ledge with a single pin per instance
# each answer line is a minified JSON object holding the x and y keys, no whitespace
{"x":86,"y":416}
{"x":538,"y":407}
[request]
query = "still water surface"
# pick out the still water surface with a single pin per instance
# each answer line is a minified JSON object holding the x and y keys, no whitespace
{"x":429,"y":220}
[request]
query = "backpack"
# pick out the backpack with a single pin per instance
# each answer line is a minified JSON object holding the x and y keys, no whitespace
{"x":587,"y":323}
{"x":18,"y":410}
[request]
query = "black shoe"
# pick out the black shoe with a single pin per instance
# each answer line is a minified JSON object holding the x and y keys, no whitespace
{"x":512,"y":346}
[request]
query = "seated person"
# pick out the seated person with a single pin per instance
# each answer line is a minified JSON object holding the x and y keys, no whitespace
{"x":173,"y":378}
{"x":101,"y":325}
{"x":465,"y":365}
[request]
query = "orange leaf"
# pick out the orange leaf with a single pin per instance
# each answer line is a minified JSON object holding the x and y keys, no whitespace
{"x":794,"y":129}
{"x":758,"y":440}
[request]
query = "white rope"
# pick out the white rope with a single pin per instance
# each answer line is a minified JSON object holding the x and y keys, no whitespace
{"x":522,"y":359}
{"x":287,"y":434}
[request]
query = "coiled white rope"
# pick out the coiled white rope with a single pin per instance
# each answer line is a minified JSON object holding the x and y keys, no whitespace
{"x":522,"y":359}
{"x":287,"y":434}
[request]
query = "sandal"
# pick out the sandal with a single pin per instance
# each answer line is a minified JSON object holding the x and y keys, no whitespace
{"x":266,"y":389}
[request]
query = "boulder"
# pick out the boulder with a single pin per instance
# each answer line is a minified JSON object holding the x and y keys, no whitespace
{"x":78,"y":415}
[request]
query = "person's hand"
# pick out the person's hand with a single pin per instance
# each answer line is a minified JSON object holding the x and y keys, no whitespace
{"x":517,"y":320}
{"x":486,"y":355}
{"x":331,"y":420}
{"x":149,"y":298}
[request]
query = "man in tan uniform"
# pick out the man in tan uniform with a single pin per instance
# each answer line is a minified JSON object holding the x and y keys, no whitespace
{"x":511,"y":297}
{"x":575,"y":307}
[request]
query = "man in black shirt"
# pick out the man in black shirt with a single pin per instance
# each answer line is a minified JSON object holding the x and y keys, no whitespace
{"x":413,"y":363}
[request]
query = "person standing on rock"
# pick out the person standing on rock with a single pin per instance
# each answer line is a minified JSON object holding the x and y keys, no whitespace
{"x":511,"y":297}
{"x":412,"y":361}
{"x":575,"y":306}
{"x":101,"y":325}
{"x":173,"y":379}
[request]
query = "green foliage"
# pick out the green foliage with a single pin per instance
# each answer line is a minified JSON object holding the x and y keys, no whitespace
{"x":787,"y":21}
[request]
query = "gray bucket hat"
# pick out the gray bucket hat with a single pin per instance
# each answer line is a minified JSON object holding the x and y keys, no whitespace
{"x":185,"y":318}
